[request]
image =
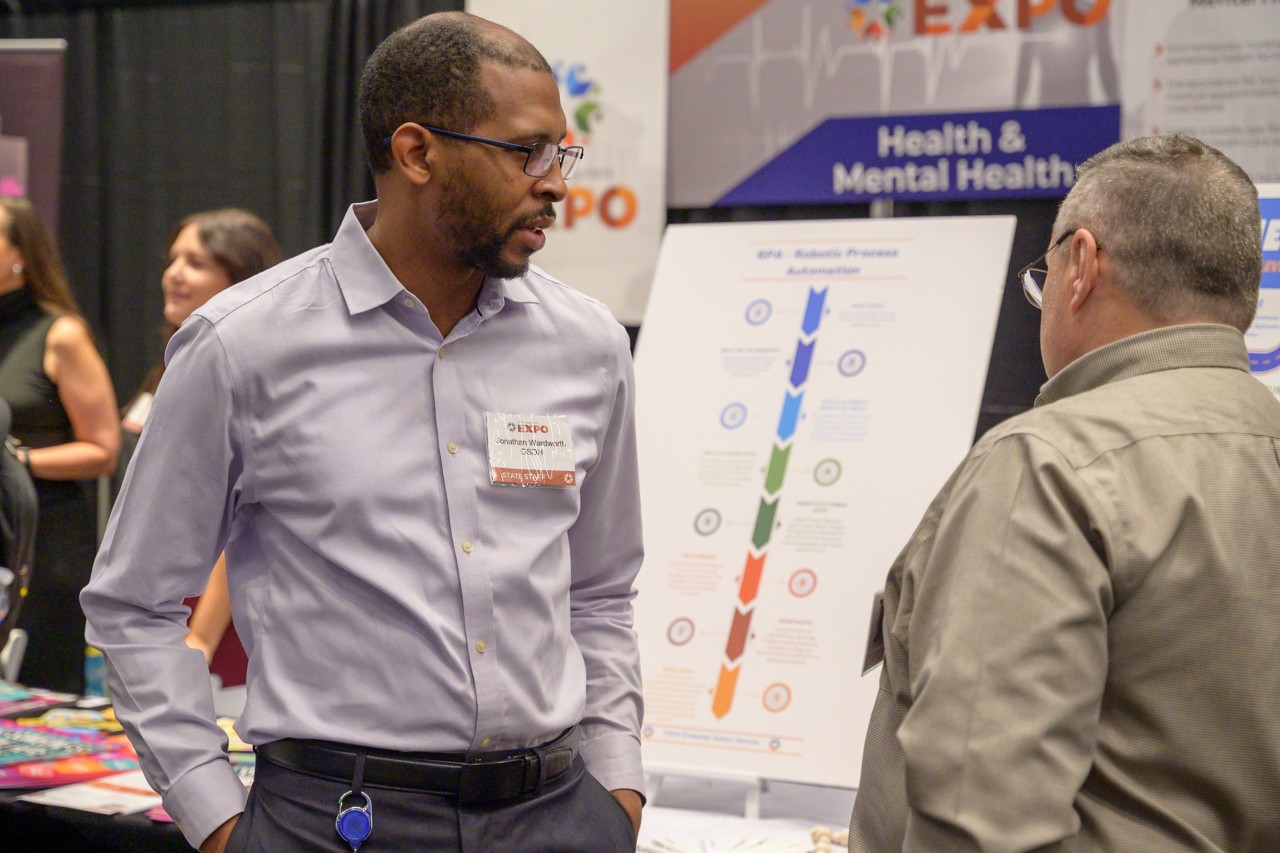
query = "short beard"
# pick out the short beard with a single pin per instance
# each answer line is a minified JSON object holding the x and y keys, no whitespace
{"x":487,"y":256}
{"x":469,"y":221}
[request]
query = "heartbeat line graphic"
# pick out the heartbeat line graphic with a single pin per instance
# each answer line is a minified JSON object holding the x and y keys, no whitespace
{"x":820,"y":57}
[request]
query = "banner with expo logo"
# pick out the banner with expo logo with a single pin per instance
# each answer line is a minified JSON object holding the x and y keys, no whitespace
{"x":1263,"y":337}
{"x":808,"y":101}
{"x":605,"y":240}
{"x":849,"y":101}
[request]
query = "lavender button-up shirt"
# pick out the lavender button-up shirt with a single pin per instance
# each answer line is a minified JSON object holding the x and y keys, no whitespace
{"x":314,"y":424}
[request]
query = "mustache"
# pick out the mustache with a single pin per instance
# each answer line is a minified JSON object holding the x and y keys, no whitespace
{"x":547,"y":213}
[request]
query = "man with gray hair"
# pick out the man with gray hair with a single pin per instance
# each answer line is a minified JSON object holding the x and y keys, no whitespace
{"x":418,"y":452}
{"x":1079,"y":639}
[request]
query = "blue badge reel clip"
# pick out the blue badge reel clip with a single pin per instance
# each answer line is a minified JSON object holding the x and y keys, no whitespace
{"x":355,"y":823}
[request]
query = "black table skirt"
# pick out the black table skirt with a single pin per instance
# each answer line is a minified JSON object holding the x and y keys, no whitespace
{"x":33,"y":828}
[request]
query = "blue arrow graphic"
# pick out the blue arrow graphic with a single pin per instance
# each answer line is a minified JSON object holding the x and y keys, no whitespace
{"x":790,"y":415}
{"x":813,"y":311}
{"x":800,"y":364}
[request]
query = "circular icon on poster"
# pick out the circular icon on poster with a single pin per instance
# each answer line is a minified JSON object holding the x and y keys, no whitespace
{"x":852,"y":362}
{"x":647,"y":731}
{"x":680,"y":631}
{"x":777,"y":697}
{"x":827,"y":472}
{"x":707,"y":522}
{"x":802,"y":583}
{"x":733,"y":416}
{"x":775,"y":744}
{"x":759,"y":312}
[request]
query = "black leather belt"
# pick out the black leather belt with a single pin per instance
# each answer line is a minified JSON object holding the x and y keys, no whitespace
{"x":476,"y":778}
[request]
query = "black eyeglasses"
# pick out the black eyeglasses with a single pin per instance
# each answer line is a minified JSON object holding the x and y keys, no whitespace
{"x":540,"y":155}
{"x":1033,"y":275}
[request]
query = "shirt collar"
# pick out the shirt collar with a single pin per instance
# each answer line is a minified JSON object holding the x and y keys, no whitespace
{"x":367,"y":282}
{"x":1168,"y":348}
{"x":363,"y":276}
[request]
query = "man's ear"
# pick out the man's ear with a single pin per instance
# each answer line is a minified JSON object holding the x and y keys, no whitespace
{"x":1082,"y":268}
{"x":411,"y":149}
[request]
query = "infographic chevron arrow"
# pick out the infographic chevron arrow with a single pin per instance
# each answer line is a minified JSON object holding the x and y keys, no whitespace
{"x":766,"y":513}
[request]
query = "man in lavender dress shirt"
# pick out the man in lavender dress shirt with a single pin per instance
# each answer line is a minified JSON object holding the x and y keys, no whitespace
{"x":418,"y":453}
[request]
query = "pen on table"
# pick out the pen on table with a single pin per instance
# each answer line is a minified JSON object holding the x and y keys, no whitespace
{"x":786,"y":845}
{"x":662,"y":845}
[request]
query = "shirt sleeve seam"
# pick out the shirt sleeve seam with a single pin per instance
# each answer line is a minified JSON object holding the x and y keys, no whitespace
{"x":238,"y":413}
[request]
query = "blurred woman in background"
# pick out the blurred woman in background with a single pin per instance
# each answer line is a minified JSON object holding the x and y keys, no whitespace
{"x":64,"y":415}
{"x":208,"y":252}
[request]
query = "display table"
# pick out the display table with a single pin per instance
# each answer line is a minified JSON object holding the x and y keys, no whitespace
{"x":710,"y":817}
{"x":38,"y":828}
{"x":32,"y":828}
{"x":787,"y":812}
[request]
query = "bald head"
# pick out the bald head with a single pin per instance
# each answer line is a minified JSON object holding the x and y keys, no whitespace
{"x":429,"y":72}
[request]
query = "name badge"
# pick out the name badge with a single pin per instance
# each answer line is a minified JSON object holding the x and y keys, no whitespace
{"x":875,"y":635}
{"x":530,"y":450}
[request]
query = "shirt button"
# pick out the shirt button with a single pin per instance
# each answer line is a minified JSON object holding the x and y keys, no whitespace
{"x":486,"y":741}
{"x":453,"y":446}
{"x":408,"y":300}
{"x":467,"y":546}
{"x":482,"y":647}
{"x":440,"y":353}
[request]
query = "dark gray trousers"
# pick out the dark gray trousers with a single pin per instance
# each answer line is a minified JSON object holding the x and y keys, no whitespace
{"x":290,"y":811}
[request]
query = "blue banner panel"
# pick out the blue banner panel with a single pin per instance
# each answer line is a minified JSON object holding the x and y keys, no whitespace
{"x":1270,"y":208}
{"x":981,"y":155}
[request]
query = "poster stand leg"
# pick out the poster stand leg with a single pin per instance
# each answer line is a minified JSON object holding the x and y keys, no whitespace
{"x":754,"y":785}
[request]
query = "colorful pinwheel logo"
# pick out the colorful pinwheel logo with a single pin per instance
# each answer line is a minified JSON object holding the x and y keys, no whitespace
{"x":872,"y":19}
{"x":581,"y":96}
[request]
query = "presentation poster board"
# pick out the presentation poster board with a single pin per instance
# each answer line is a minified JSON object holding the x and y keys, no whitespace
{"x":804,"y":390}
{"x":1263,"y":337}
{"x":610,"y":60}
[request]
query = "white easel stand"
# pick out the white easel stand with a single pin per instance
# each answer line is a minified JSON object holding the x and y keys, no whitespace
{"x":754,"y":785}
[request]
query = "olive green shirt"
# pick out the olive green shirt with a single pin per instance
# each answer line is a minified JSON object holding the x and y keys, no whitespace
{"x":1082,"y":637}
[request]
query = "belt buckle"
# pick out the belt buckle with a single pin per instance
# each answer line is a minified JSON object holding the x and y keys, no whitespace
{"x":489,"y":781}
{"x":472,"y":782}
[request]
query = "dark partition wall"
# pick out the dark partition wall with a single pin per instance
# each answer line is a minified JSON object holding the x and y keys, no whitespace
{"x":177,"y":107}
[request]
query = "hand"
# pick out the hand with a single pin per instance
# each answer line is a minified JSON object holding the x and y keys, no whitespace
{"x":199,"y":645}
{"x":217,"y":840}
{"x":632,"y":804}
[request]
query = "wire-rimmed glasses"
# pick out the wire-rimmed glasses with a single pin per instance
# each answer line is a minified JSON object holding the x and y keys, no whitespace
{"x":1033,"y":275}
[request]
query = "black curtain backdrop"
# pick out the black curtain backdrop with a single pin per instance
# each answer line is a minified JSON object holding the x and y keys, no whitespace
{"x":175,"y":107}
